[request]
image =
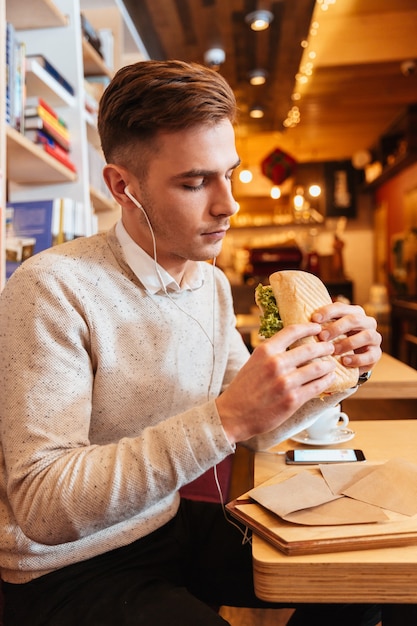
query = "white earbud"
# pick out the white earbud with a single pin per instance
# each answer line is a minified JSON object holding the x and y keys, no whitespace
{"x":132,"y":197}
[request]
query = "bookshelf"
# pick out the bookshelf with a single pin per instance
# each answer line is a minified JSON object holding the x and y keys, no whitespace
{"x":28,"y":164}
{"x":39,"y":82}
{"x":42,"y":14}
{"x":93,"y":63}
{"x":52,"y":29}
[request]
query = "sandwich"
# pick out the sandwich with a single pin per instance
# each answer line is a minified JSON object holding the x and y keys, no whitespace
{"x":291,"y":298}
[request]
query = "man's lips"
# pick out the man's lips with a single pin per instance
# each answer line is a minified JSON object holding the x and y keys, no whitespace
{"x":218,"y":231}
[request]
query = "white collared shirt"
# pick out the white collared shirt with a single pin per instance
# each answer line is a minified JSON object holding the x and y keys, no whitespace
{"x":150,"y":273}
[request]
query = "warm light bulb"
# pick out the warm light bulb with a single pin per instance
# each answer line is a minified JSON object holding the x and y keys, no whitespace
{"x":314,"y":191}
{"x":256,"y":112}
{"x":257,"y":77}
{"x":259,"y":25}
{"x":275,"y":192}
{"x":298,"y":201}
{"x":245,"y":176}
{"x":259,"y":20}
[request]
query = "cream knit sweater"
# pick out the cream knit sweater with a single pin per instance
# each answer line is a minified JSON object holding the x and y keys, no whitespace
{"x":107,"y":402}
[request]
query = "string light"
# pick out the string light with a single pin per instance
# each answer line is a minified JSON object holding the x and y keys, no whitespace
{"x":306,"y":67}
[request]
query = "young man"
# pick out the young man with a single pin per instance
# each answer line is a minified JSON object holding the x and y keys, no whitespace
{"x":124,"y":379}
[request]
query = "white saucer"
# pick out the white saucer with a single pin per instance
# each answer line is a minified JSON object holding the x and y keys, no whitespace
{"x":340,"y":436}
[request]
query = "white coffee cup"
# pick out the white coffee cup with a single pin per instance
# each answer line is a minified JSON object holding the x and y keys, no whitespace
{"x":327,"y":422}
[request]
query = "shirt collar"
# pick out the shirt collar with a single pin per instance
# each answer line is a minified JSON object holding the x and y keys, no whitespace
{"x":150,"y":273}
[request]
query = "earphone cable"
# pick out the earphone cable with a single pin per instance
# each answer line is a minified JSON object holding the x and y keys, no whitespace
{"x":246,"y":536}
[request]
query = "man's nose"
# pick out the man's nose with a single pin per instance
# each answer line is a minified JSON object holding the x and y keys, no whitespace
{"x":224,"y":202}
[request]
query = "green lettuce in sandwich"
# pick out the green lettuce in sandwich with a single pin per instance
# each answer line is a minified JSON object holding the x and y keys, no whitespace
{"x":270,"y":322}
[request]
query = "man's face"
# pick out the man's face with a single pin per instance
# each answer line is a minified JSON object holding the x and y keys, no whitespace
{"x":187,"y":194}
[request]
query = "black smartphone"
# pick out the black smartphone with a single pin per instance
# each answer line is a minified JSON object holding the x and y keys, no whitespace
{"x":313,"y":456}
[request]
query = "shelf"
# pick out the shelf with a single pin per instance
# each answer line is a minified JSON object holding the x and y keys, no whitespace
{"x":42,"y":14}
{"x":392,"y":170}
{"x":93,"y":63}
{"x":40,"y":83}
{"x":27,"y":164}
{"x":101,"y":202}
{"x":397,"y":148}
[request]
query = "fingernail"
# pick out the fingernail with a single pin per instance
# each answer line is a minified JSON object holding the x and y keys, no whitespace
{"x":324,"y":335}
{"x":347,"y":360}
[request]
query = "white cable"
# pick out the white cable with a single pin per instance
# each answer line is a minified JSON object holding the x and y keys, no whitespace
{"x":246,"y":538}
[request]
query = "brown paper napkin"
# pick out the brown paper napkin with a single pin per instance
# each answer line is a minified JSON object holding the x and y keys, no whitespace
{"x":340,"y":477}
{"x":304,"y":490}
{"x":342,"y":494}
{"x":338,"y":512}
{"x":392,"y":486}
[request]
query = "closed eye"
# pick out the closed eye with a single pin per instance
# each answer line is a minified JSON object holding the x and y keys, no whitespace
{"x":196,"y":187}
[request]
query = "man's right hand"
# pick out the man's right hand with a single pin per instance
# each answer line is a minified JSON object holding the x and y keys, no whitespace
{"x":275,"y":382}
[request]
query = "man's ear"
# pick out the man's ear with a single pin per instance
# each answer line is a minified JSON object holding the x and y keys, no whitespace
{"x":116,"y":179}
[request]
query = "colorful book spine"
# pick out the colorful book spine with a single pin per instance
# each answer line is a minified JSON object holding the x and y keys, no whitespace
{"x":51,"y":147}
{"x":35,"y":106}
{"x":10,"y":37}
{"x":60,"y":155}
{"x":50,"y":119}
{"x":37,"y":123}
{"x":15,"y":79}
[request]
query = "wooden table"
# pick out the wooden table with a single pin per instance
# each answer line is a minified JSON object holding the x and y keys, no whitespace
{"x":383,"y":575}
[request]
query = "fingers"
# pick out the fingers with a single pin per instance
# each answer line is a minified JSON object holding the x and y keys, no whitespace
{"x":340,"y":319}
{"x":298,"y":366}
{"x":352,"y":331}
{"x":289,"y":335}
{"x":365,"y":359}
{"x":275,"y":382}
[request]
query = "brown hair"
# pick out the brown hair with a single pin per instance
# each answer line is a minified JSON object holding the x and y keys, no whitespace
{"x":151,"y":96}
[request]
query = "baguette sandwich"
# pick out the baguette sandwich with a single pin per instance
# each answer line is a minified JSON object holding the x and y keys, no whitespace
{"x":291,"y":298}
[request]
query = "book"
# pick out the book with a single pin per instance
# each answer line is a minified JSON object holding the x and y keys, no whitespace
{"x":34,"y":226}
{"x":48,"y":67}
{"x":15,"y":78}
{"x":28,"y":231}
{"x":10,"y":36}
{"x":37,"y":123}
{"x":90,"y":34}
{"x":19,"y":85}
{"x":51,"y":147}
{"x":60,"y":155}
{"x":55,"y":122}
{"x":36,"y":106}
{"x":41,"y":138}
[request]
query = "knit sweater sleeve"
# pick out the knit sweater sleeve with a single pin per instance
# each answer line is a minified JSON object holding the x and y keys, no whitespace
{"x":63,"y":482}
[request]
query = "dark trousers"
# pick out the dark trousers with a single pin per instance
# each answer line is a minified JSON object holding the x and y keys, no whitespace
{"x":176,"y":576}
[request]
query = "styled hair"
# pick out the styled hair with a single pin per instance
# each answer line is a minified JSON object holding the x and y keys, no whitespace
{"x":151,"y":96}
